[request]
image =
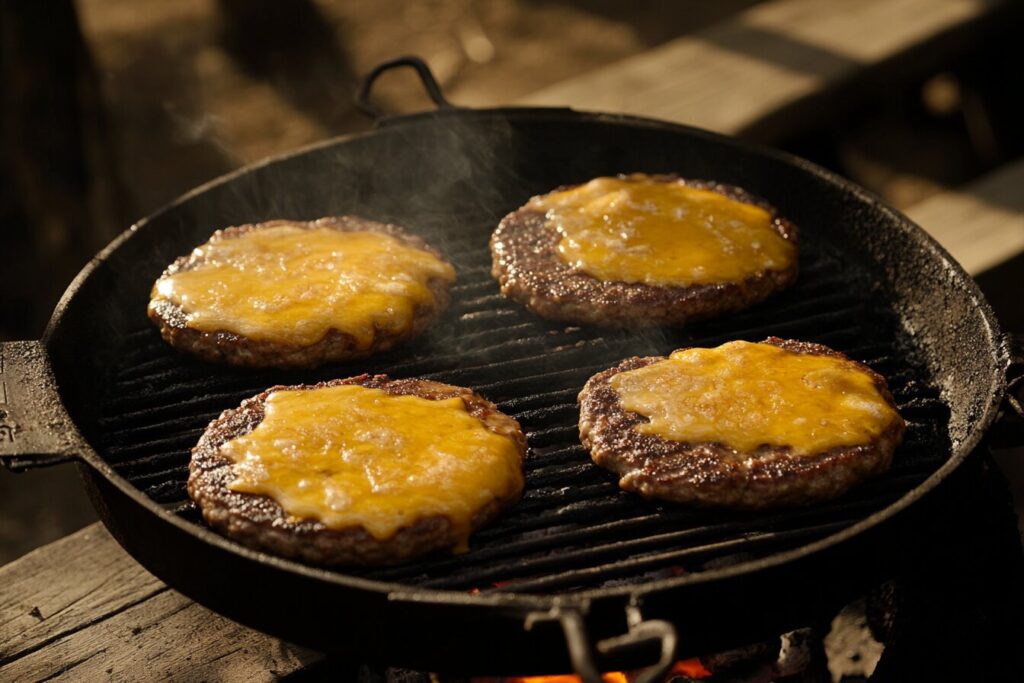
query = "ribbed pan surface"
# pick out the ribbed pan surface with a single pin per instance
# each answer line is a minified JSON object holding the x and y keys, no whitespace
{"x":573,"y":529}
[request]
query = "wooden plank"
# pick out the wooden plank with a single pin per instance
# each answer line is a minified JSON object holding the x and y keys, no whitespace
{"x":982,"y":224}
{"x":64,"y":586}
{"x":737,"y":73}
{"x":83,"y":609}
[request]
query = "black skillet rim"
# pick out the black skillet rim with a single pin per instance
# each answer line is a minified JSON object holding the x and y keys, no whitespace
{"x":961,"y":450}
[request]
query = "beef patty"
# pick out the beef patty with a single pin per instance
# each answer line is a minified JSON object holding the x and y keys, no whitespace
{"x":525,"y":261}
{"x":237,"y":349}
{"x":714,"y":475}
{"x":260,"y":522}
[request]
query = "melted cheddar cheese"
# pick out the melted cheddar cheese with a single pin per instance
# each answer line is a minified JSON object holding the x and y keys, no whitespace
{"x":641,"y":230}
{"x":353,"y":456}
{"x":292,"y":285}
{"x":745,"y":395}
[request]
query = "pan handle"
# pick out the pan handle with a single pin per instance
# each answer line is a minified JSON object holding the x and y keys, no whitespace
{"x":641,"y":634}
{"x":35,"y":429}
{"x":1008,"y":430}
{"x":430,"y":84}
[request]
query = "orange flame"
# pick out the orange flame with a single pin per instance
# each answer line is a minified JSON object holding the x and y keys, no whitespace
{"x":689,"y":667}
{"x":612,"y":677}
{"x":686,"y":667}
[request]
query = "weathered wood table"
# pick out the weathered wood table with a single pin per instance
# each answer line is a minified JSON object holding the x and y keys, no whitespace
{"x":82,"y":609}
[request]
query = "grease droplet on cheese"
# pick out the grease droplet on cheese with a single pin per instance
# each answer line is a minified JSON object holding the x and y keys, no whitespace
{"x":641,"y":230}
{"x":349,"y":455}
{"x":291,"y":285}
{"x":746,"y":395}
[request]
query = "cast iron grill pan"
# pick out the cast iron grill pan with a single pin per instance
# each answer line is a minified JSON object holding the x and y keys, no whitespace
{"x":573,"y":529}
{"x":577,"y":574}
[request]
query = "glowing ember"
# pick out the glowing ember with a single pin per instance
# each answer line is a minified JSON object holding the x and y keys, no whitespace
{"x":613,"y":677}
{"x":686,"y":667}
{"x":689,"y":667}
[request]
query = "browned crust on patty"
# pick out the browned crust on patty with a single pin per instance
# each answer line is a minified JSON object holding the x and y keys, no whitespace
{"x":526,"y":264}
{"x":712,"y":474}
{"x":259,"y":521}
{"x":235,"y":349}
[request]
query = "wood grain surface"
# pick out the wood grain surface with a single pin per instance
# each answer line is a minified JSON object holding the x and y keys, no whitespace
{"x":82,"y":609}
{"x":741,"y":74}
{"x":981,"y":224}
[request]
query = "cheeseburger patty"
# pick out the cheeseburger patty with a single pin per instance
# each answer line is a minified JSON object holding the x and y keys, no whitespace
{"x":526,"y":264}
{"x":712,"y":474}
{"x":236,"y":349}
{"x":259,"y":521}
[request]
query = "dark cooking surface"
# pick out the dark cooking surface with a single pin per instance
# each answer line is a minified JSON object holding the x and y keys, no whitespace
{"x":573,"y":529}
{"x":873,"y":285}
